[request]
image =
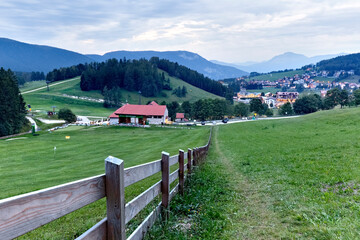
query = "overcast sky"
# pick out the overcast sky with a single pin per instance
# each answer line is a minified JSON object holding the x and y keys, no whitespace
{"x":230,"y":31}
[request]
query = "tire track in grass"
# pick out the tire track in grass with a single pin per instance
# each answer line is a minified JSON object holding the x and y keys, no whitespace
{"x":249,"y":213}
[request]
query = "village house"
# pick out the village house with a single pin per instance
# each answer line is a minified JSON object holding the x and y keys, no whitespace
{"x":180,"y":117}
{"x":284,"y":97}
{"x":152,"y":113}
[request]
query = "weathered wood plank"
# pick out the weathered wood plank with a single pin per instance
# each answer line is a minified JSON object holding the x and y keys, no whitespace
{"x":139,"y":172}
{"x":141,"y":230}
{"x":189,"y":161}
{"x":173,"y":192}
{"x":173,"y":176}
{"x":26,"y":212}
{"x":96,"y":232}
{"x":181,"y":172}
{"x":165,"y":184}
{"x":173,"y":160}
{"x":115,"y":198}
{"x":185,"y":156}
{"x":194,"y":163}
{"x":138,"y":203}
{"x":185,"y":167}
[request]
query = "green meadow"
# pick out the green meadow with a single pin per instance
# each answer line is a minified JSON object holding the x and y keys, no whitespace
{"x":278,"y":179}
{"x":30,"y":163}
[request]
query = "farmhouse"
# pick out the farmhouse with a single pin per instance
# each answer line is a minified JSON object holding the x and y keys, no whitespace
{"x":152,"y":113}
{"x":180,"y":117}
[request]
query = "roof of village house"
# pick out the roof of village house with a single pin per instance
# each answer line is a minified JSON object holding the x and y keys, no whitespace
{"x":180,"y":115}
{"x":153,"y":103}
{"x":142,"y":110}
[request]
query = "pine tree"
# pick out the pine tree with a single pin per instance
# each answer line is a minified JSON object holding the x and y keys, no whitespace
{"x":12,"y":106}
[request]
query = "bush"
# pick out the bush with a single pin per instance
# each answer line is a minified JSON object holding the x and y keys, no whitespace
{"x":67,"y":115}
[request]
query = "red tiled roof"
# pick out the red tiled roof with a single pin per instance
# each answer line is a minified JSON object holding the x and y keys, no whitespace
{"x":113,"y":115}
{"x":180,"y":115}
{"x":153,"y":103}
{"x":142,"y":110}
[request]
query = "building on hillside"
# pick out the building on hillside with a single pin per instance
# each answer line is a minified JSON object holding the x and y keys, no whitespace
{"x":284,"y":97}
{"x":180,"y":117}
{"x":152,"y":113}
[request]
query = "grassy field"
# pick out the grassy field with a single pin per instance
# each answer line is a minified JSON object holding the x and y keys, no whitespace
{"x":276,"y":76}
{"x":29,"y":164}
{"x":44,"y":100}
{"x":32,"y":85}
{"x":285,"y":179}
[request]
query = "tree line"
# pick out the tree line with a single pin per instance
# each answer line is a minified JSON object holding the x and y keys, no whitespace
{"x":190,"y":76}
{"x":313,"y":102}
{"x":12,"y":105}
{"x":347,"y":63}
{"x":215,"y":109}
{"x":23,"y":77}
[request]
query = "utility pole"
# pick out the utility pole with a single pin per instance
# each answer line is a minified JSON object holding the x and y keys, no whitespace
{"x":139,"y":97}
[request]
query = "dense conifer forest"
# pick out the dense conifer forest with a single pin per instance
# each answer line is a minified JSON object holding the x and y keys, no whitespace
{"x":347,"y":63}
{"x":12,"y":106}
{"x":135,"y":75}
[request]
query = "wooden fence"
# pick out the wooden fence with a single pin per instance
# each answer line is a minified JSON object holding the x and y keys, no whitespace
{"x":24,"y":213}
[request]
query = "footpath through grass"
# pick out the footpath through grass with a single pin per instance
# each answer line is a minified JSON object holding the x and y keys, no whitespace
{"x":281,"y":179}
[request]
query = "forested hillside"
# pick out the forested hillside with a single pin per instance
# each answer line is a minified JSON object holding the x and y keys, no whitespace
{"x":347,"y":62}
{"x":12,"y":106}
{"x":135,"y":75}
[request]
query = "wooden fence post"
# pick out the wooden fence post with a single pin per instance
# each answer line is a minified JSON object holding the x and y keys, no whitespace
{"x":194,"y":156}
{"x":189,"y":161}
{"x":165,"y":184}
{"x":115,"y":198}
{"x":181,"y":172}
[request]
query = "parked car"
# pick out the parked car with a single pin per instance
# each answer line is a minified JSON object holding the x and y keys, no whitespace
{"x":225,"y":120}
{"x":202,"y":122}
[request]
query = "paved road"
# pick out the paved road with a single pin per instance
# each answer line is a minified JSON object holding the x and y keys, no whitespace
{"x":57,"y":83}
{"x":219,"y":122}
{"x":32,"y":121}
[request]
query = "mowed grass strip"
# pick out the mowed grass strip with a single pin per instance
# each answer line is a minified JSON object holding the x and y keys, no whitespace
{"x":284,"y":179}
{"x":31,"y":163}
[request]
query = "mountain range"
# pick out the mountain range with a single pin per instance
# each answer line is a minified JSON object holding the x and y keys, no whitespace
{"x":284,"y":61}
{"x":24,"y":57}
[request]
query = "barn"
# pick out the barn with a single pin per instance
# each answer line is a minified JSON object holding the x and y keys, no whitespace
{"x":152,"y":113}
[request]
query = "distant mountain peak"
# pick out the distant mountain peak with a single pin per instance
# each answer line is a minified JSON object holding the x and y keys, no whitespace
{"x":287,"y":60}
{"x":24,"y":57}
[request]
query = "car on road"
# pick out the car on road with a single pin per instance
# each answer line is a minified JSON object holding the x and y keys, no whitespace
{"x":225,"y":120}
{"x":203,"y":123}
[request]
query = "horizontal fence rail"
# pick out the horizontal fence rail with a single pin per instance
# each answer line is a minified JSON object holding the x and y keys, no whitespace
{"x":26,"y":212}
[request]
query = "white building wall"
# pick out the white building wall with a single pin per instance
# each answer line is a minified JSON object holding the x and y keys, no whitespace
{"x":153,"y":120}
{"x":114,"y":121}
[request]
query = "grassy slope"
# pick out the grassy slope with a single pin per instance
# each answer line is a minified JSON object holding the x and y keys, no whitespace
{"x":29,"y":164}
{"x":291,"y":179}
{"x":276,"y":76}
{"x":193,"y":95}
{"x":44,"y":100}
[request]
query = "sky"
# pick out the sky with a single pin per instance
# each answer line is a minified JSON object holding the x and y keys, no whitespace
{"x":233,"y":31}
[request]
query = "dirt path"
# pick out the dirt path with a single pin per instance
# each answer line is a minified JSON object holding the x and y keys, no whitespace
{"x":60,"y":82}
{"x":251,"y":217}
